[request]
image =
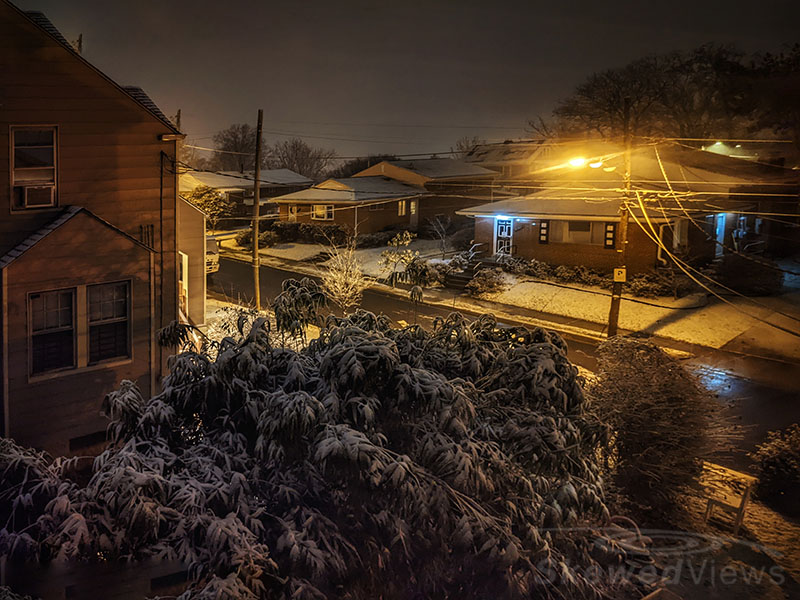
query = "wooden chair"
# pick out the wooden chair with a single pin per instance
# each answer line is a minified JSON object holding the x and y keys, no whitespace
{"x":734,"y":503}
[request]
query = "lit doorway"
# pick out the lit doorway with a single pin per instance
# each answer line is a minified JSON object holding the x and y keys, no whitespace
{"x":503,"y":234}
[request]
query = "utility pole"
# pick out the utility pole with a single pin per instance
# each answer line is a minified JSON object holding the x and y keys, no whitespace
{"x":256,"y":210}
{"x":620,"y":273}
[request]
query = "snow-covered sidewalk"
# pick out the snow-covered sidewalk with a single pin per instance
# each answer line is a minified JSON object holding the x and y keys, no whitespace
{"x":691,"y":319}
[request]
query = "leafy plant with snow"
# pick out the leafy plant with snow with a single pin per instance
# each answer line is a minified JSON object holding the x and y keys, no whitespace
{"x":343,"y":280}
{"x":375,"y":462}
{"x":778,"y":464}
{"x":486,"y":281}
{"x":298,"y":306}
{"x":395,"y":260}
{"x":214,"y":204}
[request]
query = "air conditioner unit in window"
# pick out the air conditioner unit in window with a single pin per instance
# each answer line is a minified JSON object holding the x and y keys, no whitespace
{"x":38,"y":195}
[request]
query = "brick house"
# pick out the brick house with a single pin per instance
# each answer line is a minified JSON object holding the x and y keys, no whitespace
{"x":450,"y":184}
{"x":87,"y":241}
{"x":702,"y":205}
{"x":361,"y":204}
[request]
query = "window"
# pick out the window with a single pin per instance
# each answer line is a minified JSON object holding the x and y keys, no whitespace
{"x":413,"y":207}
{"x":610,"y":236}
{"x":52,"y":324}
{"x":33,"y":176}
{"x":577,"y":232}
{"x":544,"y":231}
{"x":401,"y":208}
{"x":108,"y":321}
{"x":322,"y":212}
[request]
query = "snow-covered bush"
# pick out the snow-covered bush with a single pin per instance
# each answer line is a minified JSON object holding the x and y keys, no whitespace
{"x":373,"y":463}
{"x":486,"y":281}
{"x":298,"y":306}
{"x":374,"y":240}
{"x":462,"y":239}
{"x":663,"y":424}
{"x":420,"y":272}
{"x":778,"y":464}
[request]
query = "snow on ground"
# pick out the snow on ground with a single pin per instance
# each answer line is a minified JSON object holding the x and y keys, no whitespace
{"x":713,"y":325}
{"x":370,"y":257}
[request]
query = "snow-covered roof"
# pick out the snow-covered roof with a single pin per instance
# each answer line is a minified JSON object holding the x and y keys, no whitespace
{"x":234,"y":181}
{"x":352,"y":190}
{"x":275,"y":176}
{"x":442,"y":168}
{"x":507,"y":152}
{"x":594,"y":205}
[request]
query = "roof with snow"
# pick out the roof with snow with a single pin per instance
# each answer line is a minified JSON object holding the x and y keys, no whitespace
{"x":440,"y":168}
{"x":598,"y":205}
{"x":352,"y":190}
{"x":43,"y":232}
{"x":234,"y":181}
{"x":508,"y":152}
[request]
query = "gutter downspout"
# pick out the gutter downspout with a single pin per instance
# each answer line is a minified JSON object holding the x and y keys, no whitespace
{"x":659,"y":255}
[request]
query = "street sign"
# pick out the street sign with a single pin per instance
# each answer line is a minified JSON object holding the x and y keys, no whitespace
{"x":619,"y":275}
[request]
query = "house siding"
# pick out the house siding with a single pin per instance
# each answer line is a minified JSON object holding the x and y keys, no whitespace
{"x":641,"y":255}
{"x":110,"y":161}
{"x":83,"y":251}
{"x":369,"y":221}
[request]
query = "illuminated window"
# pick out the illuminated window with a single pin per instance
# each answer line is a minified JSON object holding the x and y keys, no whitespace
{"x":413,"y":207}
{"x":108,"y":321}
{"x":322,"y":212}
{"x":33,"y":176}
{"x":52,"y":323}
{"x":401,"y":208}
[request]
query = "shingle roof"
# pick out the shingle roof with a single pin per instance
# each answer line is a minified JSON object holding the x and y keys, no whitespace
{"x":228,"y":181}
{"x":353,"y":190}
{"x":41,"y":233}
{"x":443,"y":168}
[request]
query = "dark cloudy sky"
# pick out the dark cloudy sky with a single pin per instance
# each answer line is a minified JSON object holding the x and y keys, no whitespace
{"x":404,"y":76}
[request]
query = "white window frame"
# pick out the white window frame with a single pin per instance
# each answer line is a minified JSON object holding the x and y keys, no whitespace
{"x":326,"y":208}
{"x":401,"y":208}
{"x":506,"y":227}
{"x":25,"y":184}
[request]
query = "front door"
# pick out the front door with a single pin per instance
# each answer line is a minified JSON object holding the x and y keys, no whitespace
{"x":720,"y":234}
{"x":503,"y":234}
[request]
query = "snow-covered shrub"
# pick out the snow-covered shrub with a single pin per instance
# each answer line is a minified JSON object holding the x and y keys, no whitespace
{"x":298,"y":306}
{"x":244,"y":238}
{"x":778,"y":464}
{"x":462,"y":239}
{"x":373,"y":463}
{"x":663,"y":424}
{"x":287,"y":231}
{"x":486,"y":281}
{"x":328,"y":233}
{"x":374,"y":240}
{"x":266,"y":240}
{"x":513,"y":264}
{"x":754,"y":276}
{"x":420,"y":272}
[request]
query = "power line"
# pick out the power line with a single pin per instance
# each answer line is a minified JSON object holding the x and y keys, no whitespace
{"x":685,"y":268}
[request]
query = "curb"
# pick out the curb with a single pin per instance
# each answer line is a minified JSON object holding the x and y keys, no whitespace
{"x":674,"y":347}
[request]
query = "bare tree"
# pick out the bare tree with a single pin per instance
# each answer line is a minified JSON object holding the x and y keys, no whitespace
{"x":301,"y":158}
{"x":440,"y":226}
{"x":542,"y":128}
{"x":235,"y":148}
{"x":465,"y":144}
{"x":344,"y":280}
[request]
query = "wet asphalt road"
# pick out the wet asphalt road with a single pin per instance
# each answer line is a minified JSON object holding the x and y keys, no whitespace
{"x":763,"y":394}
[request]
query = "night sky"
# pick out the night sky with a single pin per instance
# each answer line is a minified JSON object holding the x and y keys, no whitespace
{"x":401,"y":77}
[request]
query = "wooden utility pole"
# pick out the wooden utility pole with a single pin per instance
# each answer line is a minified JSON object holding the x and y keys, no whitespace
{"x":620,"y":273}
{"x":256,"y":210}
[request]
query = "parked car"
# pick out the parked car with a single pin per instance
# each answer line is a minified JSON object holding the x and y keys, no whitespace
{"x":212,"y":255}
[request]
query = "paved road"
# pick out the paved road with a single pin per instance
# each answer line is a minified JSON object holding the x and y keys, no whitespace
{"x":765,"y":394}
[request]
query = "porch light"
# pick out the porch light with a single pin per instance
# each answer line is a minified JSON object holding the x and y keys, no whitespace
{"x":577,"y":162}
{"x":499,"y":217}
{"x":596,"y":164}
